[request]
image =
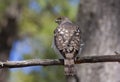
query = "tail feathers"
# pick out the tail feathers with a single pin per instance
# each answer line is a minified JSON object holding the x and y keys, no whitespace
{"x":69,"y":67}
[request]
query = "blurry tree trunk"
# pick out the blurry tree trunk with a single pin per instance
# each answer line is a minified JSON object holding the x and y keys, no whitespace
{"x":8,"y":33}
{"x":100,"y":23}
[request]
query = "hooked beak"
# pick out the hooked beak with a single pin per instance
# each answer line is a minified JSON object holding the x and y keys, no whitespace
{"x":56,"y":21}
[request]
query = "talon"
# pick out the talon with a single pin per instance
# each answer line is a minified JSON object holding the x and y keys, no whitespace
{"x":117,"y":53}
{"x":1,"y":64}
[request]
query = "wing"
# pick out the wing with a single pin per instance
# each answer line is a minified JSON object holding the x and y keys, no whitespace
{"x":67,"y":38}
{"x":75,"y":41}
{"x":56,"y":49}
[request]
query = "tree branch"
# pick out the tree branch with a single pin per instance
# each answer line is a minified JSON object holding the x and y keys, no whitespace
{"x":51,"y":62}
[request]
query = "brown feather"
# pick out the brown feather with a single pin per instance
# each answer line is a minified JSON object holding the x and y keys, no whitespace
{"x":67,"y":40}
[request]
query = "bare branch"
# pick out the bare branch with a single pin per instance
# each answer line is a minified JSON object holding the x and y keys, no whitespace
{"x":51,"y":62}
{"x":98,"y":59}
{"x":31,"y":62}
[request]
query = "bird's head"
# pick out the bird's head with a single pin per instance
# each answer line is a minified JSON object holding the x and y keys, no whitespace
{"x":61,"y":19}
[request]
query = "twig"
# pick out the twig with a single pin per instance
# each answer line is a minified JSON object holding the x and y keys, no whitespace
{"x":98,"y":59}
{"x":51,"y":62}
{"x":31,"y":62}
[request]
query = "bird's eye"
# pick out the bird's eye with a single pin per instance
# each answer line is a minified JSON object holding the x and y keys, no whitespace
{"x":59,"y":18}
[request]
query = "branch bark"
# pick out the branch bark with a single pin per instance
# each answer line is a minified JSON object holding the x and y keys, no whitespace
{"x":51,"y":62}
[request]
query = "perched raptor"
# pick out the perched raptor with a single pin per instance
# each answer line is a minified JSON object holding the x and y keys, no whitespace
{"x":67,"y":42}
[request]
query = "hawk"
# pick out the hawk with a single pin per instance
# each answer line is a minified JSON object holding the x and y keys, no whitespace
{"x":67,"y":42}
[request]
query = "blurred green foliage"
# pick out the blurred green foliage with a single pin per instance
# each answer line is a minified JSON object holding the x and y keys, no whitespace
{"x":38,"y":24}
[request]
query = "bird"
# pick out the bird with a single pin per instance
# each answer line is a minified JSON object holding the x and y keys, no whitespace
{"x":67,"y":42}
